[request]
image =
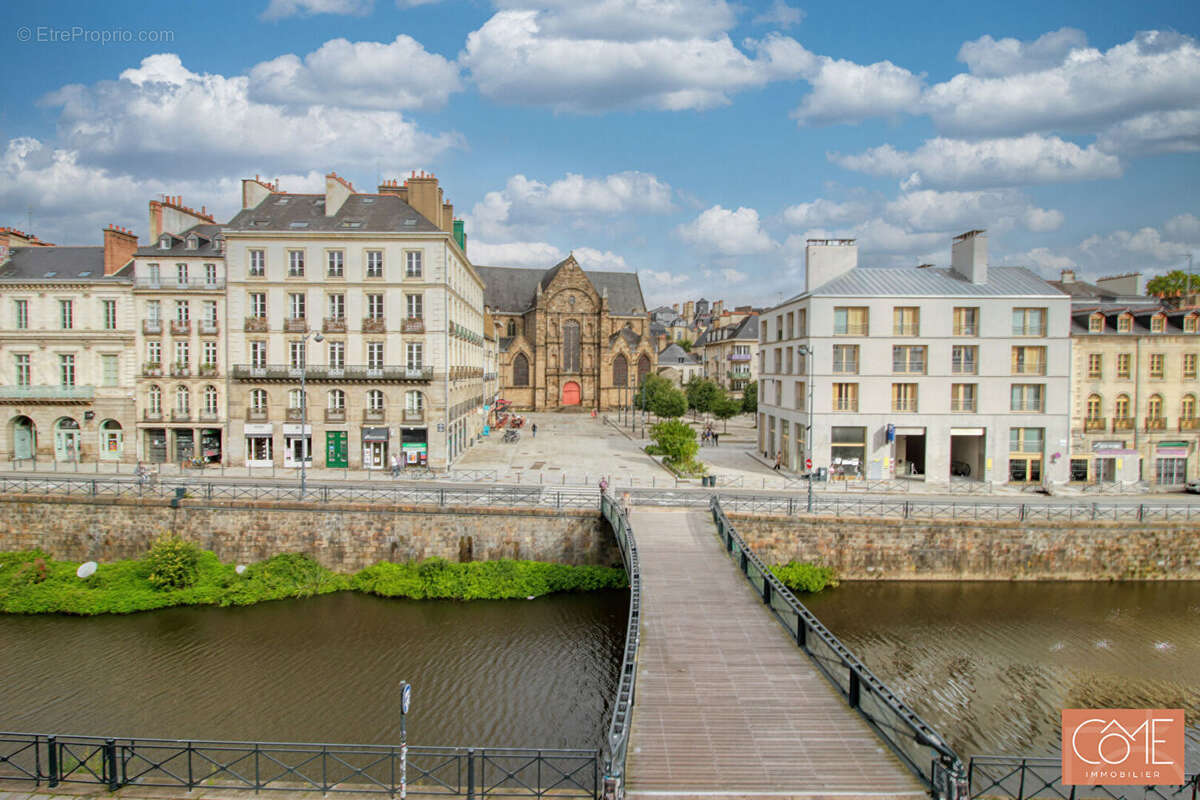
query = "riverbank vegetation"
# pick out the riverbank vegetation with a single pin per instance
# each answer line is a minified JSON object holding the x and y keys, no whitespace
{"x":177,"y":573}
{"x":805,"y":578}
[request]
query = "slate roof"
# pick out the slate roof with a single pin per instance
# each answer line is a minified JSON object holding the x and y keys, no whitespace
{"x":57,"y":264}
{"x":932,"y":282}
{"x":746,"y":329}
{"x":514,"y":289}
{"x":301,"y":213}
{"x":1081,"y":315}
{"x":674,"y":354}
{"x":1084,"y":291}
{"x":632,"y":339}
{"x":206,"y":246}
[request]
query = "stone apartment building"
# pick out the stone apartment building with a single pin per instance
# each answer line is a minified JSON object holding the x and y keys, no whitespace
{"x":66,"y":347}
{"x":179,"y":295}
{"x":568,"y":338}
{"x":371,"y":299}
{"x":729,"y":352}
{"x":920,"y":372}
{"x":1134,"y":386}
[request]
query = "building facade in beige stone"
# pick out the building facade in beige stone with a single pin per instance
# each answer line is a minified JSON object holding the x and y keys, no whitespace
{"x":730,"y":352}
{"x":569,"y":338}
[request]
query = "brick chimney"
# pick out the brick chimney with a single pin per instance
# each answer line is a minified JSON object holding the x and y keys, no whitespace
{"x":1066,"y":276}
{"x":337,"y":191}
{"x":119,"y":246}
{"x":168,"y":214}
{"x":255,"y":190}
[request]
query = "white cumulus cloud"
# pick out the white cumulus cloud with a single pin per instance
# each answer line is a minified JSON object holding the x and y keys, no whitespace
{"x":846,"y":92}
{"x":514,"y":254}
{"x":997,"y":209}
{"x":994,"y":58}
{"x":278,"y":9}
{"x":824,"y":212}
{"x":727,"y":232}
{"x":781,"y":14}
{"x":605,"y":260}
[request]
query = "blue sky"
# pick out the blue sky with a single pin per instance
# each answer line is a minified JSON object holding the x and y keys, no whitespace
{"x":698,"y":142}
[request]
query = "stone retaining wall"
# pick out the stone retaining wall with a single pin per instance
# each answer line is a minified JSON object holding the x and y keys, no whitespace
{"x":887,"y":549}
{"x":342,"y":537}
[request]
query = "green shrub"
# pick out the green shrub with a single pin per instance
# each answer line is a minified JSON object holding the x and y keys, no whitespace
{"x":172,"y":562}
{"x":676,"y":440}
{"x":483,"y":580}
{"x":802,"y":577}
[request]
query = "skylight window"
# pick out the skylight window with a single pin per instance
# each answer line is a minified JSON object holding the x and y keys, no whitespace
{"x":298,"y":224}
{"x":283,"y":201}
{"x":410,"y":222}
{"x":85,"y":273}
{"x":51,"y":274}
{"x":352,"y":223}
{"x":368,"y":200}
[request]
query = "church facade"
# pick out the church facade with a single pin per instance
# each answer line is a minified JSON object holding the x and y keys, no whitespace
{"x":568,"y":338}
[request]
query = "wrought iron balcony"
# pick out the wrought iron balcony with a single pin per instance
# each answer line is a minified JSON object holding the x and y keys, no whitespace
{"x":1189,"y":424}
{"x":256,"y":325}
{"x":208,"y":370}
{"x":152,"y":369}
{"x":965,"y":406}
{"x":1156,"y":423}
{"x":374,"y":325}
{"x":1122,"y":423}
{"x":323,"y":374}
{"x":151,"y":326}
{"x":966,"y":330}
{"x":740,"y":357}
{"x":295,"y":415}
{"x":152,"y":416}
{"x":180,"y":371}
{"x":209,"y":328}
{"x":334,"y":325}
{"x":740,"y":372}
{"x":906,"y":330}
{"x":47,"y":394}
{"x":374,"y":415}
{"x":413,"y":325}
{"x":295,"y":325}
{"x":335,"y":415}
{"x":256,"y":414}
{"x":1095,"y":424}
{"x":181,"y":327}
{"x":175,"y":283}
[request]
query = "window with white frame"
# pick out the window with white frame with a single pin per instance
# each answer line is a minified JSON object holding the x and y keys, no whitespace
{"x":181,"y":274}
{"x":66,"y":369}
{"x":210,"y":400}
{"x":153,"y":311}
{"x":412,"y":264}
{"x":337,"y":400}
{"x":258,"y":354}
{"x":154,"y":398}
{"x":210,"y":355}
{"x":295,"y":399}
{"x":414,"y":355}
{"x":375,"y":355}
{"x":183,"y":400}
{"x":337,"y":355}
{"x":374,"y":263}
{"x":375,"y":306}
{"x":21,"y":312}
{"x":297,"y":301}
{"x":182,"y":355}
{"x":296,"y":354}
{"x":210,"y":313}
{"x":183,"y":311}
{"x":21,"y":361}
{"x":335,"y":262}
{"x":258,"y":263}
{"x":258,"y":400}
{"x":375,"y":400}
{"x":210,"y":274}
{"x":337,"y":306}
{"x":295,"y":263}
{"x":154,"y":353}
{"x":110,"y":315}
{"x":66,"y":314}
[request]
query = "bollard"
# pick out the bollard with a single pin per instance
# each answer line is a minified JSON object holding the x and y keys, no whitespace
{"x":52,"y":760}
{"x":110,"y":763}
{"x":853,"y":695}
{"x":470,"y":773}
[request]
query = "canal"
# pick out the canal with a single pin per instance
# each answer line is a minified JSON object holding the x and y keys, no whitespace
{"x":990,"y":664}
{"x":509,"y":673}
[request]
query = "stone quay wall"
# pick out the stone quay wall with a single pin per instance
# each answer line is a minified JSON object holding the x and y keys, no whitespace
{"x":888,"y":549}
{"x":343,"y":537}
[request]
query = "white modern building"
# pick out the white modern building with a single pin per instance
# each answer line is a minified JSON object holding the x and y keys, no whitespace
{"x":920,"y":373}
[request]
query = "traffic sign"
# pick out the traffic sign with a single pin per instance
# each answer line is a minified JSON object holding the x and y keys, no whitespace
{"x":808,"y":463}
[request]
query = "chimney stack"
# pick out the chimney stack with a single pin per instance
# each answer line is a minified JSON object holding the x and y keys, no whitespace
{"x":1066,"y":276}
{"x":255,"y":190}
{"x":119,"y":246}
{"x":826,"y":259}
{"x":337,"y":191}
{"x":969,"y":256}
{"x":168,"y":214}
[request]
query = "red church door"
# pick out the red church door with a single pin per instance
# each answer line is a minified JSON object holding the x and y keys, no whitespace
{"x":570,"y":396}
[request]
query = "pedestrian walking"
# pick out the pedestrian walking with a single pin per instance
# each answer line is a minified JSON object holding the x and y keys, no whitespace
{"x":626,"y":503}
{"x":716,"y":438}
{"x":533,"y":431}
{"x":778,"y":460}
{"x":603,"y":485}
{"x":395,"y":466}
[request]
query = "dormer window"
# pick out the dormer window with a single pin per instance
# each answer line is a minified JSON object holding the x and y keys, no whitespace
{"x":1125,"y":323}
{"x":192,"y":242}
{"x":1158,"y":323}
{"x":165,"y":242}
{"x":218,"y":243}
{"x":1191,"y":323}
{"x":1096,"y":323}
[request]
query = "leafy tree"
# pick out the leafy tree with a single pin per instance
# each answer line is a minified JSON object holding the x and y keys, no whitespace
{"x":1174,"y":283}
{"x":676,"y":440}
{"x":654,"y":388}
{"x":672,"y":403}
{"x":173,"y":563}
{"x":750,"y":398}
{"x":725,"y":407}
{"x":701,"y":394}
{"x":686,"y":344}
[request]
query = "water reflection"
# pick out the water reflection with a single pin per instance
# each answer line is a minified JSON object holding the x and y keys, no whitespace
{"x":494,"y":673}
{"x":990,"y":665}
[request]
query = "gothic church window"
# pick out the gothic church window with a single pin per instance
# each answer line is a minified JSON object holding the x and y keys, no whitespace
{"x":570,"y":331}
{"x":520,"y":370}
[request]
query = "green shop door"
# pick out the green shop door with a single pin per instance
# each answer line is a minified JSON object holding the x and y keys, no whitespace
{"x":337,"y":453}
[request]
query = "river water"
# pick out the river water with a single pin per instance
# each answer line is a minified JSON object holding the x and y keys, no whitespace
{"x":990,"y":665}
{"x":511,"y":673}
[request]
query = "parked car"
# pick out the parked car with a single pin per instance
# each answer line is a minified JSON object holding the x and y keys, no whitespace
{"x":1193,"y":487}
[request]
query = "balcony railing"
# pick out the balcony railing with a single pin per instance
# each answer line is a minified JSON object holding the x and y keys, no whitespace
{"x":966,"y":330}
{"x":180,"y":371}
{"x":739,"y":356}
{"x":317,"y":373}
{"x":152,"y":369}
{"x":743,"y":372}
{"x":852,"y":330}
{"x":906,"y":406}
{"x":294,"y":415}
{"x":414,"y":415}
{"x":1029,"y":406}
{"x":374,"y":325}
{"x":208,"y":370}
{"x":295,"y":325}
{"x":963,"y":405}
{"x":47,"y":394}
{"x":374,"y":415}
{"x":152,"y":416}
{"x":181,"y":416}
{"x":490,"y":376}
{"x":175,"y":283}
{"x":256,"y":414}
{"x":1189,"y":424}
{"x":1122,"y":423}
{"x":906,"y":330}
{"x":1095,"y":424}
{"x":1156,"y":423}
{"x":151,"y":326}
{"x":1029,"y":369}
{"x":256,"y":325}
{"x":333,"y":325}
{"x":209,"y":329}
{"x":335,"y":415}
{"x":181,"y":327}
{"x":413,"y":325}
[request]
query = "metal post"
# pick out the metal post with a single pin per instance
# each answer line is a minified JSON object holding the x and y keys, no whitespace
{"x":52,"y":760}
{"x":405,"y":700}
{"x":470,"y":773}
{"x":303,"y":417}
{"x":110,"y":762}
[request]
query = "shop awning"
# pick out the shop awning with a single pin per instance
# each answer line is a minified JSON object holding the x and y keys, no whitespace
{"x":375,"y":434}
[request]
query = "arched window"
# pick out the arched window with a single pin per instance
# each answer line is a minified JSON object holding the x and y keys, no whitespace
{"x":375,"y":400}
{"x":414,"y":402}
{"x":570,"y":348}
{"x":511,"y":328}
{"x":210,"y":400}
{"x":1094,"y":405}
{"x":182,"y":399}
{"x":1154,"y":407}
{"x":520,"y":370}
{"x":1187,"y":408}
{"x":643,"y":368}
{"x":155,"y":395}
{"x":620,"y":371}
{"x":258,"y":399}
{"x":1121,"y":409}
{"x":337,"y":399}
{"x":295,"y":398}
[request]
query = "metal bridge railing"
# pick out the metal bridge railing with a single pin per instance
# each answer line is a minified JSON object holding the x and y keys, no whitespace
{"x":1017,"y":778}
{"x":918,"y":746}
{"x":439,"y":772}
{"x":618,"y":730}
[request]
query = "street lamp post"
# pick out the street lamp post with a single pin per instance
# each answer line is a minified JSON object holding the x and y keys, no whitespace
{"x":807,"y":352}
{"x":405,"y":702}
{"x":305,"y":444}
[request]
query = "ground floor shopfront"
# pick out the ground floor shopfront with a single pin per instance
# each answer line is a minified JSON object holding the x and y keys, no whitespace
{"x":1020,"y":450}
{"x":179,"y":444}
{"x":81,"y":434}
{"x":1164,"y":459}
{"x":372,"y":447}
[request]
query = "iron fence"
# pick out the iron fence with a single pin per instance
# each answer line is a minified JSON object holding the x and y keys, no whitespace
{"x":1041,"y":778}
{"x":441,"y":772}
{"x":917,"y":745}
{"x":618,"y":729}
